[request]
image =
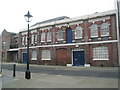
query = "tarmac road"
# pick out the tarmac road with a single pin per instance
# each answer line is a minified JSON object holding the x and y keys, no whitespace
{"x":104,"y":72}
{"x":60,"y":77}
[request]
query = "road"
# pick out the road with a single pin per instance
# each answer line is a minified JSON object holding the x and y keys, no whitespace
{"x":101,"y":72}
{"x":60,"y":77}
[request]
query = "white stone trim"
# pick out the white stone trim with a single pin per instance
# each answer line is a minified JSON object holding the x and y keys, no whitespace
{"x":60,"y":25}
{"x":44,"y":28}
{"x":84,"y":43}
{"x":24,"y":33}
{"x":33,"y":31}
{"x":74,"y":23}
{"x":99,"y":19}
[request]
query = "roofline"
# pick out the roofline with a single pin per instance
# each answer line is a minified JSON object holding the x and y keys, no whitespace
{"x":106,"y":13}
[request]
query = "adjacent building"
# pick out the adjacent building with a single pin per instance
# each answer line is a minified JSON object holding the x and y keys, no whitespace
{"x":8,"y":41}
{"x":90,"y":39}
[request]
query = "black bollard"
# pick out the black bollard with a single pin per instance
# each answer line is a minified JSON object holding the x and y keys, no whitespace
{"x":14,"y":69}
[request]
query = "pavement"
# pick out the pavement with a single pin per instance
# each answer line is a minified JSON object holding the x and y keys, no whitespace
{"x":43,"y":80}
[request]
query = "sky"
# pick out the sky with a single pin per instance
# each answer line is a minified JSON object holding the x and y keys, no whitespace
{"x":12,"y":11}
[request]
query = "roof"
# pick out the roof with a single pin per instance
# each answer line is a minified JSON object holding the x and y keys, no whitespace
{"x":52,"y":20}
{"x":63,"y":20}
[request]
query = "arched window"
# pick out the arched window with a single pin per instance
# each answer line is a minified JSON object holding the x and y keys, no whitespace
{"x":94,"y":30}
{"x":49,"y":36}
{"x":104,"y":29}
{"x":60,"y":35}
{"x":34,"y":55}
{"x":43,"y":37}
{"x":78,"y":32}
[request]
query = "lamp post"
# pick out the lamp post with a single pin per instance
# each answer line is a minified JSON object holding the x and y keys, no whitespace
{"x":28,"y":19}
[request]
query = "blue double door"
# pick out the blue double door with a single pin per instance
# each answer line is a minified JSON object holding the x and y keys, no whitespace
{"x":78,"y":58}
{"x":24,"y":57}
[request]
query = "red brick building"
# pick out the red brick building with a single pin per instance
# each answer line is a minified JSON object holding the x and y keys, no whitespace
{"x":90,"y":39}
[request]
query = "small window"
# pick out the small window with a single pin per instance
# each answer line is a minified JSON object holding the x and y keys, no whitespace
{"x":100,"y":53}
{"x":46,"y":55}
{"x":60,"y":35}
{"x":49,"y":34}
{"x":3,"y":43}
{"x":94,"y":30}
{"x":78,"y":32}
{"x":43,"y":37}
{"x":104,"y":29}
{"x":34,"y":55}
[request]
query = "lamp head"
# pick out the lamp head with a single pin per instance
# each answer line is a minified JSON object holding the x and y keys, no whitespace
{"x":28,"y":17}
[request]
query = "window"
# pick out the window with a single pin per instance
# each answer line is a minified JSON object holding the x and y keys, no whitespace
{"x":32,"y":39}
{"x":36,"y":38}
{"x":60,"y":35}
{"x":104,"y":28}
{"x":78,"y":32}
{"x":46,"y":55}
{"x":94,"y":30}
{"x":49,"y":36}
{"x":100,"y":53}
{"x":23,"y":40}
{"x":43,"y":37}
{"x":34,"y":55}
{"x":3,"y":43}
{"x":26,"y":40}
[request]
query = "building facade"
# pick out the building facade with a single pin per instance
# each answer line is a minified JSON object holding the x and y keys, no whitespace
{"x":90,"y":39}
{"x":8,"y":41}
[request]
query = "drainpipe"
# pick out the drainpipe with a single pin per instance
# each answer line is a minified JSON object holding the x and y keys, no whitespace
{"x":118,"y":29}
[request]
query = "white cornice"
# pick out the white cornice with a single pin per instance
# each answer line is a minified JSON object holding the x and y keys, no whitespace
{"x":70,"y":20}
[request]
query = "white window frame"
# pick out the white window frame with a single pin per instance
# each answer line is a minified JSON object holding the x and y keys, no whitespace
{"x":104,"y":27}
{"x":100,"y":53}
{"x":36,"y":38}
{"x":49,"y":36}
{"x":46,"y":55}
{"x":34,"y":55}
{"x":78,"y":32}
{"x":23,"y":40}
{"x":94,"y":30}
{"x":32,"y":39}
{"x":60,"y":35}
{"x":26,"y":40}
{"x":43,"y":37}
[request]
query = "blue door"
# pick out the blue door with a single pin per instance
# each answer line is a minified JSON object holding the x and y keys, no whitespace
{"x":78,"y":58}
{"x":68,"y":35}
{"x":24,"y":57}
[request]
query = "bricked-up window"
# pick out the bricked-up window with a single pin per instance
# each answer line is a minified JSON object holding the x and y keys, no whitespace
{"x":94,"y":30}
{"x":46,"y":55}
{"x":34,"y":55}
{"x":49,"y":36}
{"x":23,"y":41}
{"x":104,"y":29}
{"x":78,"y":32}
{"x":43,"y":37}
{"x":100,"y":53}
{"x":60,"y":35}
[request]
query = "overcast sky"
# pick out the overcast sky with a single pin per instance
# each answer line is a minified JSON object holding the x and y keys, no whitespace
{"x":12,"y":11}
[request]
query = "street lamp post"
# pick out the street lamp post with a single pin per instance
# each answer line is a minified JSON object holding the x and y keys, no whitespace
{"x":28,"y":19}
